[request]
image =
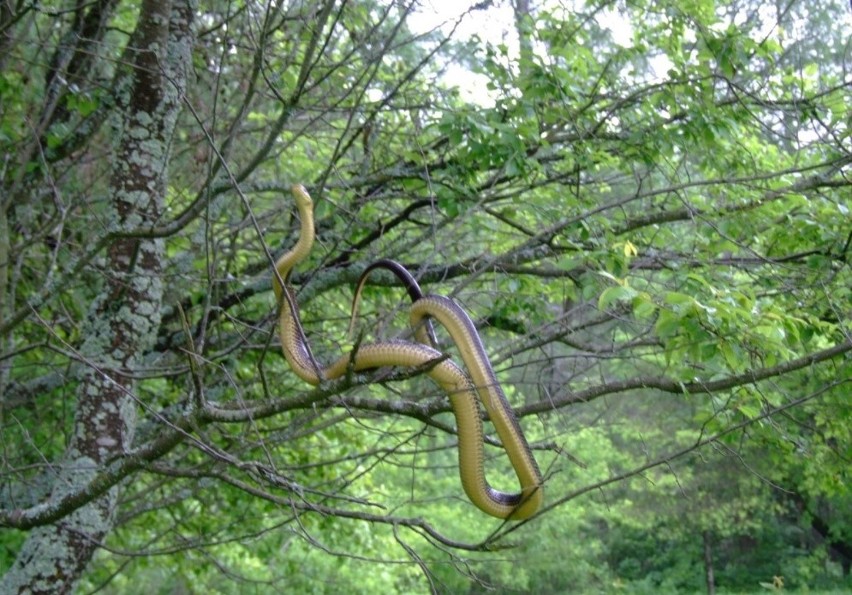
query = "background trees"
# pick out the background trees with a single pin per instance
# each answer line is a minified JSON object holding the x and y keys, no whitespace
{"x":643,"y":205}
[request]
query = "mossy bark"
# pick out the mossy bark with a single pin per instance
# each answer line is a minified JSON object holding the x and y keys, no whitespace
{"x":122,"y":323}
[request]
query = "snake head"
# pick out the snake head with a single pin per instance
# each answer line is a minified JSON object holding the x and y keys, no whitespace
{"x":303,"y":199}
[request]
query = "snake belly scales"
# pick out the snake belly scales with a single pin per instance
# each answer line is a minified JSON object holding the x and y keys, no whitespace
{"x":461,"y":388}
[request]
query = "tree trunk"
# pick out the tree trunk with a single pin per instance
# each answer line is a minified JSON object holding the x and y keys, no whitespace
{"x":523,"y":26}
{"x":122,"y":324}
{"x":708,"y":564}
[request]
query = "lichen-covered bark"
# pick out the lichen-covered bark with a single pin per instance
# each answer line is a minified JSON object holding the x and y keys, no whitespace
{"x":121,"y":324}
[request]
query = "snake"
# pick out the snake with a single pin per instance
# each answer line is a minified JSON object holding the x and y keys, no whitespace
{"x":458,"y":386}
{"x":424,"y":332}
{"x":464,"y":334}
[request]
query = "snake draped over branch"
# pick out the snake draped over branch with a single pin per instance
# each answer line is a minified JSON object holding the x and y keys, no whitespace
{"x":461,"y":388}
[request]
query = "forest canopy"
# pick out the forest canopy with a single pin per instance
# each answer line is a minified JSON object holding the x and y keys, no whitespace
{"x":642,"y":206}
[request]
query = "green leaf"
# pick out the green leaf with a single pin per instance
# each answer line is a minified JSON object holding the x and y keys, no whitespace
{"x":643,"y":306}
{"x":668,"y":324}
{"x":615,"y":294}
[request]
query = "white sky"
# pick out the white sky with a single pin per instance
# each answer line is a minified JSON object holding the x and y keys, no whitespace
{"x":494,"y":25}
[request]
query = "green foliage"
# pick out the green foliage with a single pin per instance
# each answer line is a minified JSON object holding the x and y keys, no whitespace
{"x":644,"y":207}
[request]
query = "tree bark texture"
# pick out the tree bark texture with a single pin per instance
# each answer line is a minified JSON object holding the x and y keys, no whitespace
{"x":121,"y":326}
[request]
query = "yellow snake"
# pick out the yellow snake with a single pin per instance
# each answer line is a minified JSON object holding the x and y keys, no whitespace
{"x":443,"y":371}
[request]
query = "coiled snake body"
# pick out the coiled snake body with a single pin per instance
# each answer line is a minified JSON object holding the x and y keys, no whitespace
{"x":452,"y":379}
